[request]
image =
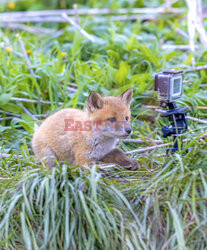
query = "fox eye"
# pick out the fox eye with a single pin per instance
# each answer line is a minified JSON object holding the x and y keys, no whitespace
{"x":112,"y":119}
{"x":127,"y":118}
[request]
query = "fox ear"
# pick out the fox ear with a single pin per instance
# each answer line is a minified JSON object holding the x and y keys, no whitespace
{"x":126,"y":96}
{"x":95,"y":101}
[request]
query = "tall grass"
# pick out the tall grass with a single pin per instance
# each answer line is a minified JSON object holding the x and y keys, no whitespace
{"x":67,"y":208}
{"x":163,"y":207}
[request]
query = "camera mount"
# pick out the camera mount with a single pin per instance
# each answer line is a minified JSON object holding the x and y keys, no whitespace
{"x":168,"y":84}
{"x":178,"y":120}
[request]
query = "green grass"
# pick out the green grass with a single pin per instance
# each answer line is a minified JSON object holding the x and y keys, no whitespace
{"x":65,"y":208}
{"x":164,"y":205}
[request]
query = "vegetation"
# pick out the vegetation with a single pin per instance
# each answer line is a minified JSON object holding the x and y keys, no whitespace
{"x":160,"y":206}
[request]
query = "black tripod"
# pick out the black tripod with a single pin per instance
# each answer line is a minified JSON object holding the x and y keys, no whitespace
{"x":178,"y":120}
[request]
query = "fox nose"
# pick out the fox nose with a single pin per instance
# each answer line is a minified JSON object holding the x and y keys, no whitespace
{"x":128,"y":130}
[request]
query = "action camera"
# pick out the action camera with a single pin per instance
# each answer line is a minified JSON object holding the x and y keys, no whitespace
{"x":169,"y":85}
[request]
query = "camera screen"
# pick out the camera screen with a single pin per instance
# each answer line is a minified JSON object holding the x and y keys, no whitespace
{"x":177,"y":86}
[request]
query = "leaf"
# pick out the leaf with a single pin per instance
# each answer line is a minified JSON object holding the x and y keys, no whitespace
{"x":88,"y":216}
{"x":122,"y":73}
{"x":188,"y":60}
{"x":5,"y":98}
{"x":149,"y":55}
{"x":26,"y":125}
{"x":10,"y":107}
{"x":132,"y":43}
{"x":178,"y":228}
{"x":26,"y":117}
{"x":171,"y":55}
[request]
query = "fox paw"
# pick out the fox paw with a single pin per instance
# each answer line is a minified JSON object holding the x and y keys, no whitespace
{"x":134,"y":165}
{"x":130,"y":164}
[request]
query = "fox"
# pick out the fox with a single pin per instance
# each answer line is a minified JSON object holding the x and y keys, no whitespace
{"x":87,"y":136}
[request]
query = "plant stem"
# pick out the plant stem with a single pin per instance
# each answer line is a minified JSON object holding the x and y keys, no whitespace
{"x":82,"y":31}
{"x":18,"y":99}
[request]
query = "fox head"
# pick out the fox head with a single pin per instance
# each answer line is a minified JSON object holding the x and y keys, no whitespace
{"x":112,"y":113}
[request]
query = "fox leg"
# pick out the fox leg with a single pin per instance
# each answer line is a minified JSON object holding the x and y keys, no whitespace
{"x":50,"y":157}
{"x":116,"y":156}
{"x":83,"y":160}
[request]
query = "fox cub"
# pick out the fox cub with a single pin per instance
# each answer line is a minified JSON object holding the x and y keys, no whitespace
{"x":85,"y":137}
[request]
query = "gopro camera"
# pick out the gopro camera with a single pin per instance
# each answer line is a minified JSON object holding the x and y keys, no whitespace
{"x":169,"y":85}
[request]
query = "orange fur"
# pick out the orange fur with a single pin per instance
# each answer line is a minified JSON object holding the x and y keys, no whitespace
{"x":82,"y":147}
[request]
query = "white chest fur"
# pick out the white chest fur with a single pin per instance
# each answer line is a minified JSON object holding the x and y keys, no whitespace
{"x":100,"y":146}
